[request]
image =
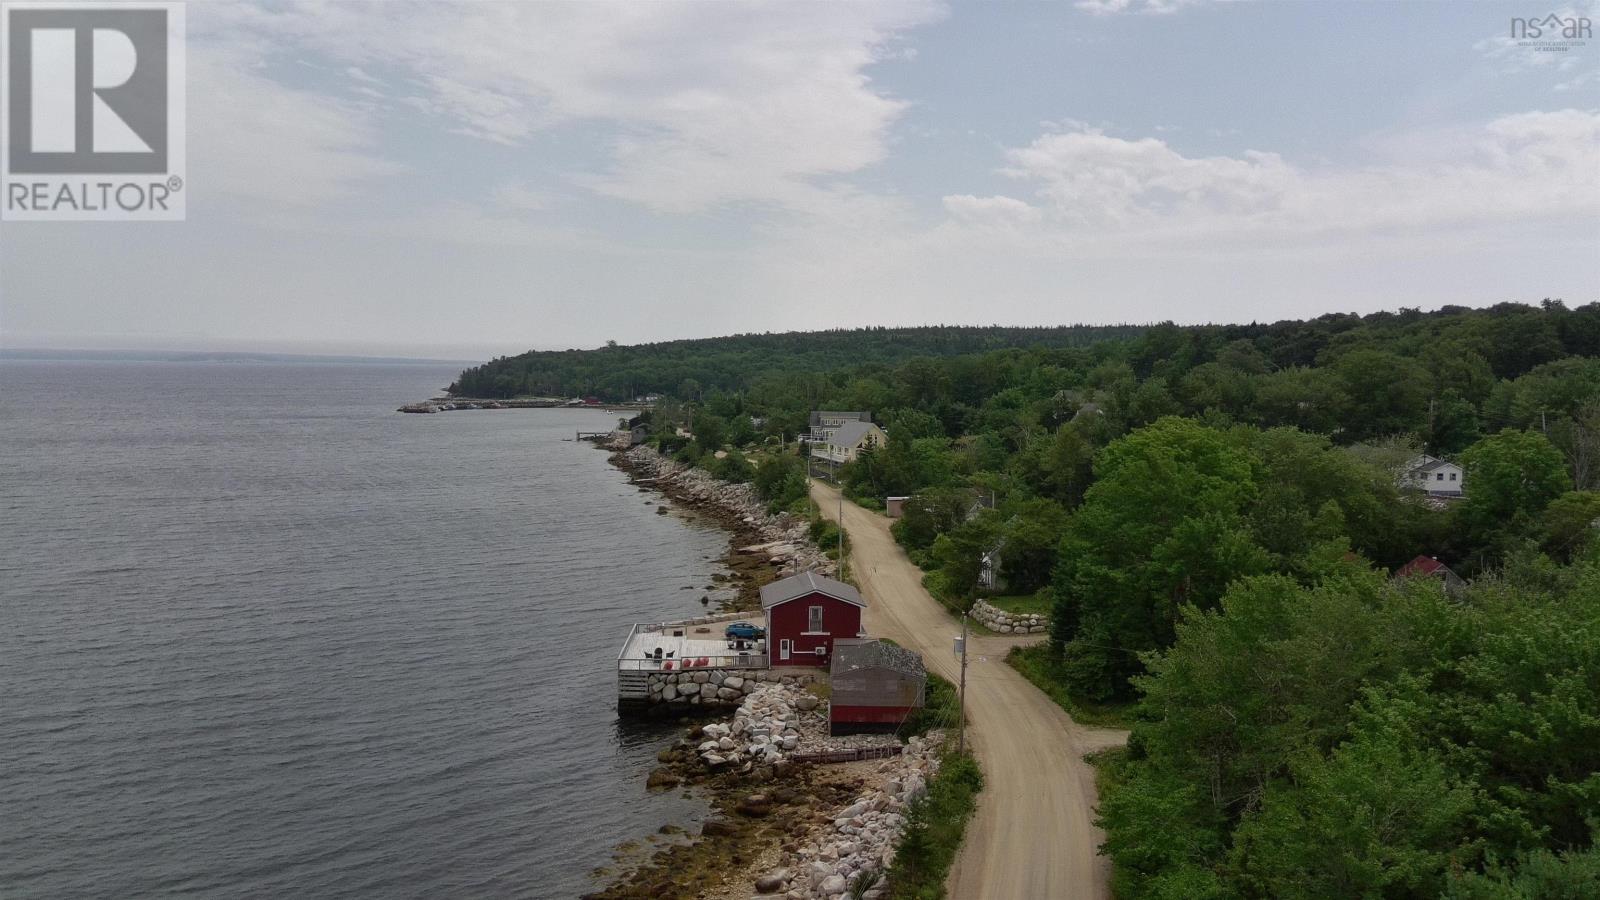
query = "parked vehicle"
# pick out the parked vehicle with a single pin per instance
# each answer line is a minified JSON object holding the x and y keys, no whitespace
{"x":744,"y":631}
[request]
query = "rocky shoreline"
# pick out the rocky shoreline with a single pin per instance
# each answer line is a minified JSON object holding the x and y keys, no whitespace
{"x":783,"y":828}
{"x":786,"y":829}
{"x":763,"y":547}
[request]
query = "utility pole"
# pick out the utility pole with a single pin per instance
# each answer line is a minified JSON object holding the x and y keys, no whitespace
{"x":961,"y":722}
{"x":841,"y":532}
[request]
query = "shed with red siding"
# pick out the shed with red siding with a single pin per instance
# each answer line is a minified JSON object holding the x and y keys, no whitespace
{"x":873,"y":686}
{"x":806,"y":613}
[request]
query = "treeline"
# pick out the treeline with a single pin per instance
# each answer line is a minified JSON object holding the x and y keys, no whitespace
{"x":692,"y":368}
{"x":1215,"y":514}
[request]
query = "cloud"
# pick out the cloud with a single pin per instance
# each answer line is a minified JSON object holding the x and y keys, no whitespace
{"x":704,"y":105}
{"x":1143,"y":7}
{"x":991,"y":211}
{"x":255,"y":139}
{"x":1535,"y":165}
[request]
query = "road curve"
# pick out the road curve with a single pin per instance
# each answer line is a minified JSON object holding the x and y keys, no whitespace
{"x":1033,"y":837}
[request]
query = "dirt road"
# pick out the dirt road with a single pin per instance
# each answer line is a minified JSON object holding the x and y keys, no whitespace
{"x":1033,"y":837}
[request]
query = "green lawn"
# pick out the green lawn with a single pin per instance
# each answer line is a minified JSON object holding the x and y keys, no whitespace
{"x":1038,"y":665}
{"x":1024,"y":604}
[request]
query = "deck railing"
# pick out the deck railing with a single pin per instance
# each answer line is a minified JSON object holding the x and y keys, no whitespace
{"x":750,"y":660}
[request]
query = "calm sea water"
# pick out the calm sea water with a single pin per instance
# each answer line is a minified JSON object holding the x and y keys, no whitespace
{"x":260,"y":635}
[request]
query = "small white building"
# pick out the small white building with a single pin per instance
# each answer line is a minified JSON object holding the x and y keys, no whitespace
{"x":1432,"y":475}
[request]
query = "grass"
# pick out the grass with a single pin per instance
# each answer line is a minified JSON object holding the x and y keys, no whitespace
{"x":1039,"y":665}
{"x":941,"y":708}
{"x":935,"y":825}
{"x":1025,"y":604}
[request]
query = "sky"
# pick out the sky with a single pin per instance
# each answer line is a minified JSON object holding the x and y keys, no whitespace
{"x":478,"y":179}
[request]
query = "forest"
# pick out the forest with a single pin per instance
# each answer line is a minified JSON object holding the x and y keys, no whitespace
{"x":1215,"y":516}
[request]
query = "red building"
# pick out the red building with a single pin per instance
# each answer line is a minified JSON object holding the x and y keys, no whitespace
{"x":805,"y":614}
{"x":875,"y":686}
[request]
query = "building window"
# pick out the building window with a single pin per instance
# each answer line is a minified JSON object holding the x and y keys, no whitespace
{"x":1439,"y":477}
{"x":816,"y":619}
{"x":1452,"y":476}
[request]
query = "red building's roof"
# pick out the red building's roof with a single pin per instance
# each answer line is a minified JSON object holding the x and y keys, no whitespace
{"x":1423,"y":565}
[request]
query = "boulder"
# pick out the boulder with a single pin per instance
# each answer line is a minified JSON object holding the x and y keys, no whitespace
{"x":718,"y":827}
{"x":833,"y":885}
{"x":756,"y":806}
{"x":773,"y":882}
{"x":661,"y":778}
{"x":733,"y":681}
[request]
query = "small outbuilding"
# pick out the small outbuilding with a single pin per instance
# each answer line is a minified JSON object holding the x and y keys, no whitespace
{"x":806,"y":614}
{"x":894,"y":507}
{"x":1431,"y":567}
{"x":874,"y":686}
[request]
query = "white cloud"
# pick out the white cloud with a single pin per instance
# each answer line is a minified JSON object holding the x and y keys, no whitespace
{"x":991,"y":211}
{"x":1145,"y":7}
{"x":1536,"y":165}
{"x":710,"y":104}
{"x":252,"y":138}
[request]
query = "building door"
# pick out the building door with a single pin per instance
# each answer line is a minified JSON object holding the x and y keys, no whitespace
{"x":784,"y":648}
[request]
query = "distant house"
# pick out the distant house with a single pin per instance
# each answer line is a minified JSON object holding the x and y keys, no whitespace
{"x":825,"y":422}
{"x":806,"y":614}
{"x":848,"y":440}
{"x":1430,"y":567}
{"x":638,"y":434}
{"x":873,"y":686}
{"x":1433,"y":475}
{"x":647,"y":398}
{"x":989,"y":568}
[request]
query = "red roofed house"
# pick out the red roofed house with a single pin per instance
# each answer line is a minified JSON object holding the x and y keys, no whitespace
{"x":805,"y":613}
{"x":1429,"y":567}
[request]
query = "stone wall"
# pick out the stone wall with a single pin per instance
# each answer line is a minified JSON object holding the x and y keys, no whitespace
{"x":713,"y":687}
{"x":996,"y":619}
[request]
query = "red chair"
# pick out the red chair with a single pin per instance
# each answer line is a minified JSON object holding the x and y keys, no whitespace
{"x":667,"y":664}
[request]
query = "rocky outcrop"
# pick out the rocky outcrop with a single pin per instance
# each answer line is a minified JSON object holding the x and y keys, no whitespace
{"x":783,"y":540}
{"x":996,"y":619}
{"x":764,"y":730}
{"x":857,"y":844}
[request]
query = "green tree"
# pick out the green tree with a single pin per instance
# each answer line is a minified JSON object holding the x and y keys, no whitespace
{"x":1162,"y":527}
{"x":1510,"y":478}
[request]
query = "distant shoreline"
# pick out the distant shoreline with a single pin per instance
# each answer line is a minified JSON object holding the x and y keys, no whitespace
{"x":30,"y":354}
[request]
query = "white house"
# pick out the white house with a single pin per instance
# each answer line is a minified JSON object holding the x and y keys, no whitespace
{"x":1432,"y":475}
{"x":848,"y":441}
{"x":825,"y":422}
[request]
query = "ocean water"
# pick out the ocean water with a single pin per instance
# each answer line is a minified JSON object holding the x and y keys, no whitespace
{"x":261,"y":635}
